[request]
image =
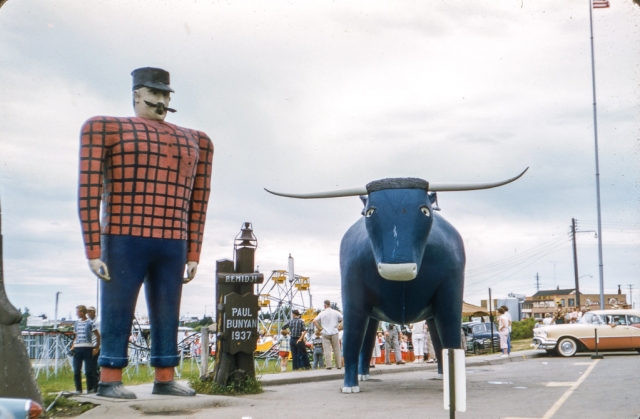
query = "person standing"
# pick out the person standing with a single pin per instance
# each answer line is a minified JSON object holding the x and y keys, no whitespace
{"x":284,"y":347}
{"x":92,"y":314}
{"x":318,"y":353}
{"x":391,"y":342}
{"x":327,"y":322}
{"x":297,"y":343}
{"x":508,"y":315}
{"x":82,"y":348}
{"x":503,"y":330}
{"x":431,"y":353}
{"x":417,"y":339}
{"x":151,"y":182}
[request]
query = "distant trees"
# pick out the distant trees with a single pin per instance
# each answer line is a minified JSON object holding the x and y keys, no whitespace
{"x":26,"y":314}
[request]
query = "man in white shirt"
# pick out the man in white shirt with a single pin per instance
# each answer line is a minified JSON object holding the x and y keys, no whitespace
{"x":327,"y":322}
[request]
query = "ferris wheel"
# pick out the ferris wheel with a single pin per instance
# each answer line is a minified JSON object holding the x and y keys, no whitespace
{"x":282,"y":293}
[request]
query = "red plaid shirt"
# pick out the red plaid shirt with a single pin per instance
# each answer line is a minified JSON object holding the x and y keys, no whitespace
{"x":152,"y":177}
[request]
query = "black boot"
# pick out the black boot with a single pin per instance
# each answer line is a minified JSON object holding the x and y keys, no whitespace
{"x":171,"y":388}
{"x":115,"y":390}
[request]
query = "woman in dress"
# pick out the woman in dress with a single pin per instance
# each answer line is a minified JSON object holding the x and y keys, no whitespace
{"x":503,"y":329}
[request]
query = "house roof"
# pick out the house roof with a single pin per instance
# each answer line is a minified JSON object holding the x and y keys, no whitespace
{"x":468,"y":309}
{"x":554,"y":292}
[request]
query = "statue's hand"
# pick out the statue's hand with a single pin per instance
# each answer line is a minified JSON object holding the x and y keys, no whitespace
{"x":99,"y":268}
{"x":192,"y":268}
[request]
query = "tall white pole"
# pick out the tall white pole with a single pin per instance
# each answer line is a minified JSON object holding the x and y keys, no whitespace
{"x":55,"y":320}
{"x":595,"y":134}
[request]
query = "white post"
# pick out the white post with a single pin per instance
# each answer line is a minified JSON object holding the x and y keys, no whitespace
{"x":455,"y":372}
{"x":204,"y":342}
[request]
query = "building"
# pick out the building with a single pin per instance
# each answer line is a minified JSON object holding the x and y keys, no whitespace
{"x":543,"y":302}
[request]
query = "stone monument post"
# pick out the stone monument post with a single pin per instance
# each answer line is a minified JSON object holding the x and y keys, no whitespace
{"x":237,"y":311}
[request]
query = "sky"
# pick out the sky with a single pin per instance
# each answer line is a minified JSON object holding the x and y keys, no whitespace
{"x":316,"y":95}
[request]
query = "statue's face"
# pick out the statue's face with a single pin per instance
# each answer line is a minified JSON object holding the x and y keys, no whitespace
{"x":153,"y":96}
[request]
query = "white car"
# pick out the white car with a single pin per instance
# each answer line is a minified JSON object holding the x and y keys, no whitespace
{"x":616,"y":330}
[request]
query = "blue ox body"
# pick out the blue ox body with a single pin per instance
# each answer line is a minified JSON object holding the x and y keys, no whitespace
{"x":400,"y":263}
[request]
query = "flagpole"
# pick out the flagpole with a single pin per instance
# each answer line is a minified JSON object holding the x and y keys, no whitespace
{"x":595,"y":134}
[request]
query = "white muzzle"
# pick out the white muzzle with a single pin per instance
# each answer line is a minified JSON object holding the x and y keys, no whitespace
{"x":398,"y":271}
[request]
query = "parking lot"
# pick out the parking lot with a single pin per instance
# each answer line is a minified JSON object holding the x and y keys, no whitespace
{"x":542,"y":387}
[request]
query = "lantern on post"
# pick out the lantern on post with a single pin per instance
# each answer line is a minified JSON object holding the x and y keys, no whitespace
{"x":244,"y":247}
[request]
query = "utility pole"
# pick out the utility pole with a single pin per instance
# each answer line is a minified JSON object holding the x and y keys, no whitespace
{"x":575,"y":260}
{"x":574,"y":230}
{"x":537,"y":282}
{"x":490,"y":304}
{"x":630,"y":295}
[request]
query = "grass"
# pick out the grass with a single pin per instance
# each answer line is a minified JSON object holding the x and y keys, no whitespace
{"x":64,"y":380}
{"x":247,"y":385}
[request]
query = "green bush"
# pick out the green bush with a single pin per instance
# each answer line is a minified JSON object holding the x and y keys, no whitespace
{"x":522,"y":329}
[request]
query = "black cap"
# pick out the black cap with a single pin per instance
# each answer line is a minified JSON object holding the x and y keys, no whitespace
{"x":296,"y":312}
{"x":153,"y":78}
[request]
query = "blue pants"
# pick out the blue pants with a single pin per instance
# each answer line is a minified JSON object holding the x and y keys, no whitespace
{"x":81,"y":355}
{"x":159,"y":263}
{"x":299,"y":356}
{"x":318,"y":358}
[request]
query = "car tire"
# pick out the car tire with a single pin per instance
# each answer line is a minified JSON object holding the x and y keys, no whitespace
{"x":476,"y":350}
{"x":567,"y":347}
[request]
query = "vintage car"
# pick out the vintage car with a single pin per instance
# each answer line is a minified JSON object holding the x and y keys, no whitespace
{"x":19,"y":409}
{"x":478,"y":336}
{"x":616,"y":330}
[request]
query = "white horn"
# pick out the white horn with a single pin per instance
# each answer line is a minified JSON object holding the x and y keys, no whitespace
{"x":331,"y":194}
{"x":450,"y":187}
{"x":433,"y":187}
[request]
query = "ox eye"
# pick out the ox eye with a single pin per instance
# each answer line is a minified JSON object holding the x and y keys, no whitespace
{"x":370,"y":212}
{"x":425,"y":211}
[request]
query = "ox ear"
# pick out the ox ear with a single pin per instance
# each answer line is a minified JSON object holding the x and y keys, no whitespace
{"x":433,"y":198}
{"x":364,"y":199}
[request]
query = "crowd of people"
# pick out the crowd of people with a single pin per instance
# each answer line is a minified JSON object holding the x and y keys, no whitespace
{"x":562,"y":315}
{"x":323,"y":342}
{"x":323,"y":345}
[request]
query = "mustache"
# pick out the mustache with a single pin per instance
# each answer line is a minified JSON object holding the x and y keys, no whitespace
{"x":160,"y":108}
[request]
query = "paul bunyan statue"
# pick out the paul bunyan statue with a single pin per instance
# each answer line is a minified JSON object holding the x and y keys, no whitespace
{"x":151,"y":179}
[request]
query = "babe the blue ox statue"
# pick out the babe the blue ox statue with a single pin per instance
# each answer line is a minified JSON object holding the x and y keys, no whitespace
{"x":400,"y":263}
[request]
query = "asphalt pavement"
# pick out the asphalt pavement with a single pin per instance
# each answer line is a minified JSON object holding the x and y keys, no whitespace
{"x":527,"y":385}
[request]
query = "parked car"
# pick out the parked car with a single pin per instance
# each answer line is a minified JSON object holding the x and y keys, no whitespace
{"x":617,"y":330}
{"x":19,"y":409}
{"x":478,"y":335}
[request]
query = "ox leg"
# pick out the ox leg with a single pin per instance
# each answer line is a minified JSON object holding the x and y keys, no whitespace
{"x":367,"y":349}
{"x":355,"y":325}
{"x":448,"y":319}
{"x":436,"y":343}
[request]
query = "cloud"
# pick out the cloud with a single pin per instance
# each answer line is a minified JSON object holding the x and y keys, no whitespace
{"x":318,"y":96}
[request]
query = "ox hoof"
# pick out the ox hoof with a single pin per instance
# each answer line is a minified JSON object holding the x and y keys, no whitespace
{"x":364,"y":377}
{"x":354,"y":389}
{"x":439,"y":377}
